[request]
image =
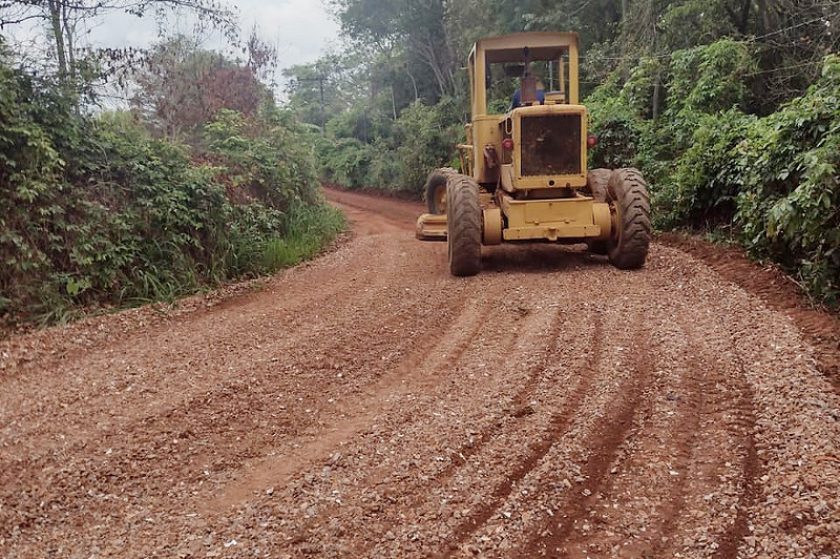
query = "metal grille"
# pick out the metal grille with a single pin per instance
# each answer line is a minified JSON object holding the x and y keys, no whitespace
{"x":551,"y":145}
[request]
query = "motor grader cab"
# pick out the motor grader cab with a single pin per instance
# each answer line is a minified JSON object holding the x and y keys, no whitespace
{"x":524,"y":174}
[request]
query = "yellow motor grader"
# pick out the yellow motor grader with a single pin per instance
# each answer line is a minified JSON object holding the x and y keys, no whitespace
{"x":524,"y":174}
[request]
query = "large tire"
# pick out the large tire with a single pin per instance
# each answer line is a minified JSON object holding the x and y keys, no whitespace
{"x":627,"y":193}
{"x":463,"y":226}
{"x":597,"y":181}
{"x":435,"y":189}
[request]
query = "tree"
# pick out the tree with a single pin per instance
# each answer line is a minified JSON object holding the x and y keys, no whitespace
{"x":63,"y":19}
{"x":181,"y":87}
{"x":415,"y":28}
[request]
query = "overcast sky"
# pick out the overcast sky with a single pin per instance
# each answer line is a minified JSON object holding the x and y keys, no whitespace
{"x":300,"y":29}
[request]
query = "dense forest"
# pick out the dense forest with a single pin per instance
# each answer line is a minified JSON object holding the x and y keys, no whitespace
{"x":135,"y":176}
{"x":731,"y":108}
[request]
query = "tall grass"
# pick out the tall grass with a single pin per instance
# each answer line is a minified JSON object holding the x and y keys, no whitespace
{"x":308,"y":230}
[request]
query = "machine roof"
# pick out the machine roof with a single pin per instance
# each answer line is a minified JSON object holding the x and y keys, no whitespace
{"x":542,"y":45}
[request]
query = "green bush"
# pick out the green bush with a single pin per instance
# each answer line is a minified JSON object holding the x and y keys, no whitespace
{"x":306,"y":233}
{"x":710,"y":78}
{"x":95,"y":211}
{"x":787,"y":172}
{"x":695,"y":22}
{"x":637,"y":91}
{"x":268,"y":160}
{"x":359,"y":153}
{"x":427,"y":139}
{"x":613,"y":120}
{"x":701,"y":189}
{"x":710,"y":164}
{"x":346,"y":161}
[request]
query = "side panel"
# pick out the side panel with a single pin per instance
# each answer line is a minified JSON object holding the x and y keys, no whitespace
{"x":485,"y":130}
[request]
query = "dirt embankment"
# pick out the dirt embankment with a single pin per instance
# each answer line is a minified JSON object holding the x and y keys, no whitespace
{"x":370,"y":405}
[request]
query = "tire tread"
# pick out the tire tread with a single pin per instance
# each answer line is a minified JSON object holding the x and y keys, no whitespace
{"x":628,"y":190}
{"x":463,"y":226}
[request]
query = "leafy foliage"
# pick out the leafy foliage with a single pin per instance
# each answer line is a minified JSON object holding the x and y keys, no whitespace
{"x":362,"y":153}
{"x":701,"y":190}
{"x":773,"y":180}
{"x":788,"y":171}
{"x":97,"y":211}
{"x":426,"y":138}
{"x":182,"y":87}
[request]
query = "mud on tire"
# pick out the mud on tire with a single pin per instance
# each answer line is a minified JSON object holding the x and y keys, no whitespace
{"x":463,"y":226}
{"x":431,"y":191}
{"x":628,"y":245}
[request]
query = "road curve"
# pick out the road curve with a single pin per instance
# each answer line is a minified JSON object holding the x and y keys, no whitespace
{"x":369,"y":405}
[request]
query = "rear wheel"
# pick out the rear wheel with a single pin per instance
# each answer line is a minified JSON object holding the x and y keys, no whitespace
{"x":597,"y":181}
{"x":435,"y":189}
{"x":630,"y":203}
{"x":463,"y":226}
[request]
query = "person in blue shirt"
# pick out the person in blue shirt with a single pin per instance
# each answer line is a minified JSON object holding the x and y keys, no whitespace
{"x":517,"y":96}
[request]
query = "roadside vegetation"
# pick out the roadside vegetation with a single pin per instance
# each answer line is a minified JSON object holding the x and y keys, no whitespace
{"x":731,"y":108}
{"x":198,"y":178}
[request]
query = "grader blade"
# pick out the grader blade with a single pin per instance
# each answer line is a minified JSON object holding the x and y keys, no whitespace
{"x":431,"y":227}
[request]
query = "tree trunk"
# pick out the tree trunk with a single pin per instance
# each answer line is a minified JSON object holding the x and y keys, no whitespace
{"x":657,"y":93}
{"x":429,"y":56}
{"x":413,"y":84}
{"x":393,"y":102}
{"x":58,"y":37}
{"x":743,"y":24}
{"x":763,"y":17}
{"x":69,"y":32}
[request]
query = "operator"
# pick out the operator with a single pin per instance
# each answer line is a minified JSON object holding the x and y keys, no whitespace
{"x":517,"y":95}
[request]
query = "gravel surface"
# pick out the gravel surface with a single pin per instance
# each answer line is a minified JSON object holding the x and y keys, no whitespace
{"x":370,"y":405}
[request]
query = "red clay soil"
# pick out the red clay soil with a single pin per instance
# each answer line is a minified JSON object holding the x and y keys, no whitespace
{"x":777,"y":290}
{"x":368,"y":404}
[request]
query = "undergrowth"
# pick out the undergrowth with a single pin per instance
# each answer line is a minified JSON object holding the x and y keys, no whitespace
{"x":309,"y":230}
{"x":97,"y":214}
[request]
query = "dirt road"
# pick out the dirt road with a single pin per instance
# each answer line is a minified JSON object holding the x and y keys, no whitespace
{"x":370,"y":405}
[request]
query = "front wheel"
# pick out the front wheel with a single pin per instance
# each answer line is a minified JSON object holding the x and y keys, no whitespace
{"x":629,"y":201}
{"x":463,"y":226}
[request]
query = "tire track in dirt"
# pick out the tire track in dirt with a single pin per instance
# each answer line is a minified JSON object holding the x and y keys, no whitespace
{"x":636,"y":511}
{"x":708,"y":409}
{"x":615,"y":428}
{"x":426,"y":359}
{"x":557,"y":425}
{"x":203,"y":411}
{"x":511,"y":427}
{"x":412,"y":494}
{"x":297,"y":328}
{"x":261,"y":353}
{"x":751,"y":468}
{"x":194,"y":417}
{"x":684,"y":432}
{"x":519,"y":402}
{"x":710,"y":425}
